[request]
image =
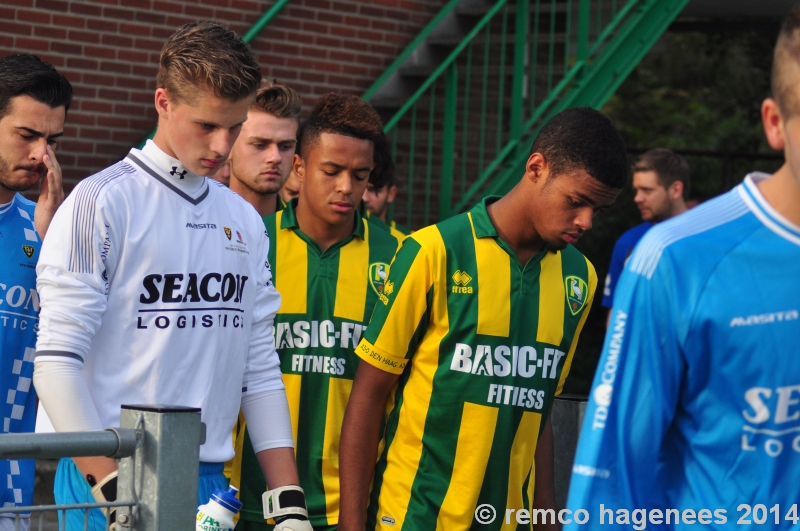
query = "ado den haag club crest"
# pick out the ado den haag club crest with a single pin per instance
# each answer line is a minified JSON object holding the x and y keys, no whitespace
{"x":577,"y":293}
{"x":378,"y":271}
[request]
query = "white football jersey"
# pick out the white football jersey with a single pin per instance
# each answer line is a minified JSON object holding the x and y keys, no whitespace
{"x":156,"y":280}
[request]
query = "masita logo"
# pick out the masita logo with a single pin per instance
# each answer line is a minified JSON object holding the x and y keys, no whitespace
{"x":200,"y":226}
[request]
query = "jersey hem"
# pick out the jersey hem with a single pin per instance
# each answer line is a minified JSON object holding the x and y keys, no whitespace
{"x":379,"y":358}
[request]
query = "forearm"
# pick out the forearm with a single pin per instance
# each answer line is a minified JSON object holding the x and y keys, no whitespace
{"x":545,"y":497}
{"x":358,"y":447}
{"x":279,"y":467}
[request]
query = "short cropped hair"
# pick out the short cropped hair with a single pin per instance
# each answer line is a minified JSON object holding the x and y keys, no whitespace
{"x":582,"y":138}
{"x":206,"y":55}
{"x":382,"y":174}
{"x":27,"y":75}
{"x":342,"y":114}
{"x":278,"y":100}
{"x":786,"y":64}
{"x":668,"y":165}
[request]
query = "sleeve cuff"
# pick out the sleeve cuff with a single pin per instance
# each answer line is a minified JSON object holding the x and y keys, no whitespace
{"x":380,"y":359}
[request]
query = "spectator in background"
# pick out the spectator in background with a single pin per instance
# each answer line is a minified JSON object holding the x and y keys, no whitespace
{"x":261,"y":159}
{"x":661,"y":183}
{"x":34,"y":100}
{"x":381,"y":190}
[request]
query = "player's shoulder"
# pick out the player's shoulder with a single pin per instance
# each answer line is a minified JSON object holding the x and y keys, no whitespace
{"x":378,"y":236}
{"x":707,"y":230}
{"x":571,"y":257}
{"x":98,"y":185}
{"x":236,"y":204}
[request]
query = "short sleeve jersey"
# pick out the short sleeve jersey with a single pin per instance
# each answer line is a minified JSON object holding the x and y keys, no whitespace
{"x":482,"y":344}
{"x":622,"y":251}
{"x":695,"y":403}
{"x":328,"y":298}
{"x":19,"y":321}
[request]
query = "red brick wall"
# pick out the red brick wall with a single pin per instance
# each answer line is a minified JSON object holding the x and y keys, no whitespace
{"x":109,"y":50}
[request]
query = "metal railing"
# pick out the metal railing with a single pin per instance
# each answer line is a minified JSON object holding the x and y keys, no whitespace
{"x":158,"y":452}
{"x":474,"y":116}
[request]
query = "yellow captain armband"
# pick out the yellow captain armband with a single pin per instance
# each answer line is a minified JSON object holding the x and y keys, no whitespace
{"x":379,"y":359}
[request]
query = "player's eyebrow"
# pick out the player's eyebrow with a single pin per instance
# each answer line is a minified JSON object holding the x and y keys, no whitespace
{"x":586,"y":198}
{"x":340,"y":167}
{"x":39,"y":134}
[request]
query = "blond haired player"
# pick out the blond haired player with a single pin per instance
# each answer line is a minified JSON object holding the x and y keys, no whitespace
{"x":176,"y":295}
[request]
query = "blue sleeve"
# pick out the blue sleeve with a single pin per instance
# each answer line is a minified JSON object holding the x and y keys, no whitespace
{"x":633,"y":400}
{"x":614,"y":271}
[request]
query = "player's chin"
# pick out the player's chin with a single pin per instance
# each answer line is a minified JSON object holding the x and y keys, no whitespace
{"x":557,"y":244}
{"x":23,"y":182}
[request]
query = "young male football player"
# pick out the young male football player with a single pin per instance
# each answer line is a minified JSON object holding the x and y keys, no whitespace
{"x":475,"y":332}
{"x":381,"y":190}
{"x":261,"y":158}
{"x":661,"y":183}
{"x":155,"y":286}
{"x":34,"y":100}
{"x":331,"y":265}
{"x":694,"y":418}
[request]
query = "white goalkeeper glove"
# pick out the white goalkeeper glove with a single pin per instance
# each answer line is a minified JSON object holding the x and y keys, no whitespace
{"x":106,"y":491}
{"x":287,"y":506}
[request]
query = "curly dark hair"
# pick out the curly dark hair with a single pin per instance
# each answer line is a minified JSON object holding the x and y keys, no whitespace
{"x":582,"y":138}
{"x":342,"y":114}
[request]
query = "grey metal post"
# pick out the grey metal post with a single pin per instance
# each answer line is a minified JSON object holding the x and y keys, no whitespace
{"x":163,"y":474}
{"x":567,"y":419}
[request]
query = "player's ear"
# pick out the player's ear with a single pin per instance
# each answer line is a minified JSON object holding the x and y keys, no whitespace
{"x":536,"y":168}
{"x":299,"y":167}
{"x":392,"y":193}
{"x":773,"y":122}
{"x":676,"y":190}
{"x":163,"y":103}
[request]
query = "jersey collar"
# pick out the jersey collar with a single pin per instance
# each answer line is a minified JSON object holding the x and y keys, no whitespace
{"x":759,"y":206}
{"x":480,"y":218}
{"x":289,"y":219}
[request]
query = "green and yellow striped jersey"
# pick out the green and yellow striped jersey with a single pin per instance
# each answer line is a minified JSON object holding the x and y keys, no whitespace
{"x":327,"y":300}
{"x":483,"y":345}
{"x":391,"y":227}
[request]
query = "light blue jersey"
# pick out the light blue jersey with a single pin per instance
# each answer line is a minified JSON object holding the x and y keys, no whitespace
{"x":19,"y":318}
{"x":695,"y":405}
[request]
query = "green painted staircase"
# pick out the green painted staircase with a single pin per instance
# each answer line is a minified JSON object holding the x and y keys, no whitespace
{"x":464,"y":101}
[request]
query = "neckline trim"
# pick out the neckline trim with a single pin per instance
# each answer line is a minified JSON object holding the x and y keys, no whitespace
{"x":165,"y":182}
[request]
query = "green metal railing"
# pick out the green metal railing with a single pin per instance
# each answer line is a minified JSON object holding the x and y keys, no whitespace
{"x":467,"y":128}
{"x":251,"y":34}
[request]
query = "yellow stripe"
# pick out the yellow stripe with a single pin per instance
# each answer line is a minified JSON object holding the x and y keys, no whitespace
{"x":404,"y":453}
{"x":586,"y":309}
{"x":552,"y":300}
{"x":410,"y":302}
{"x":494,"y":286}
{"x":338,"y":395}
{"x":351,"y":284}
{"x":521,"y":463}
{"x":293,"y":383}
{"x":233,"y":468}
{"x":291,"y":269}
{"x":472,"y":453}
